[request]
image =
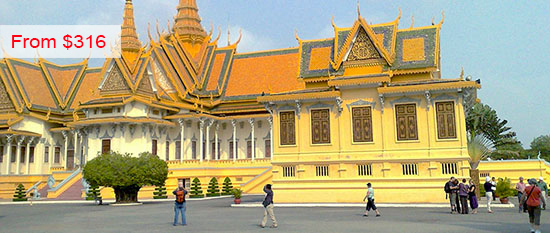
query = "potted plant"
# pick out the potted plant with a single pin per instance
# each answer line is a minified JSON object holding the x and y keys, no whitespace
{"x":504,"y":190}
{"x":237,"y":194}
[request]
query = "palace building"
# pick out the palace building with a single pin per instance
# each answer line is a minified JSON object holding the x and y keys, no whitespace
{"x":318,"y":120}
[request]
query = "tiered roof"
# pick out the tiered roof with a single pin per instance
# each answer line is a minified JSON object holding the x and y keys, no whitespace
{"x":187,"y":69}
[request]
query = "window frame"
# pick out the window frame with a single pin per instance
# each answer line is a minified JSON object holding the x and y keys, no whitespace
{"x":103,"y":141}
{"x":154,"y":147}
{"x":288,"y":144}
{"x":353,"y":125}
{"x":321,"y":143}
{"x":417,"y":139}
{"x":454,"y":118}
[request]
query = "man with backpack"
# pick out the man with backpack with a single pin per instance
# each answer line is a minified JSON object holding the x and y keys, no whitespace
{"x":447,"y":189}
{"x":179,"y":206}
{"x":451,"y":188}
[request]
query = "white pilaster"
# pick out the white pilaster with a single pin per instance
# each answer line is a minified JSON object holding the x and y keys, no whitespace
{"x":270,"y":119}
{"x":182,"y":138}
{"x":207,"y":147}
{"x":66,"y":140}
{"x":234,"y":123}
{"x":18,"y":155}
{"x":27,"y":156}
{"x":7,"y":158}
{"x":251,"y":121}
{"x":216,"y":147}
{"x":201,"y":139}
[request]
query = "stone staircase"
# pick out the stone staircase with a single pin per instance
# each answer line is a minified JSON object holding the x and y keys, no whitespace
{"x":74,"y":192}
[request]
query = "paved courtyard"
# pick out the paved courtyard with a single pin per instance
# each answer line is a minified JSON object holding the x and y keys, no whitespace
{"x":217,"y":216}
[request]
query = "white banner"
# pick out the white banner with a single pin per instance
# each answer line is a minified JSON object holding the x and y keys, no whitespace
{"x":60,"y":41}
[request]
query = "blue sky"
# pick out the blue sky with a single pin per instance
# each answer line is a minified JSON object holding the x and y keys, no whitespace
{"x":503,"y":43}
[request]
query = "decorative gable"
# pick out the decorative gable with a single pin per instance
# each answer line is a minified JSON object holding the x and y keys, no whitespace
{"x":114,"y":81}
{"x":363,"y":49}
{"x":5,"y":101}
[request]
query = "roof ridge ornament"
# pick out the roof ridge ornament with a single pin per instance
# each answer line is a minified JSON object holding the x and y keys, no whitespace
{"x":412,"y":22}
{"x":358,"y":10}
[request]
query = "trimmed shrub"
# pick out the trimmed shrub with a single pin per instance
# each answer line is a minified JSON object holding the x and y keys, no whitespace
{"x":213,"y":188}
{"x":160,"y":192}
{"x":20,"y":193}
{"x":93,"y":192}
{"x":196,"y":191}
{"x":227,"y":187}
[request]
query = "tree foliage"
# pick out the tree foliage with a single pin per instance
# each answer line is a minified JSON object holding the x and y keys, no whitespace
{"x":213,"y":188}
{"x":227,"y":187}
{"x":541,"y":145}
{"x":196,"y":190}
{"x":483,"y":120}
{"x":20,"y":193}
{"x":125,"y":174}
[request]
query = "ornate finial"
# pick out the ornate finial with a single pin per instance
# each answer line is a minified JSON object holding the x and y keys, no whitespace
{"x":128,"y":36}
{"x":188,"y":22}
{"x":358,"y":10}
{"x":412,"y":21}
{"x":296,"y":34}
{"x":332,"y":22}
{"x":398,"y":16}
{"x":228,"y":35}
{"x":442,"y":18}
{"x":462,"y":73}
{"x":238,"y":39}
{"x":149,"y":31}
{"x":433,"y":20}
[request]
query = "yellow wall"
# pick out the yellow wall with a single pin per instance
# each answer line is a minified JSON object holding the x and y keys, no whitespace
{"x":513,"y":169}
{"x":385,"y":154}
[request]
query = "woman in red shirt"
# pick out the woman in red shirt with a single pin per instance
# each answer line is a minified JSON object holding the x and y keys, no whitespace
{"x":533,"y":197}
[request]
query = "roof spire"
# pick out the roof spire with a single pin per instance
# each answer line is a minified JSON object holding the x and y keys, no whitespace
{"x":188,"y":22}
{"x":129,"y":41}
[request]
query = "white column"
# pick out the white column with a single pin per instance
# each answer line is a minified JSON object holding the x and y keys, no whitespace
{"x":270,"y":119}
{"x":38,"y":160}
{"x":251,"y":121}
{"x":207,"y":153}
{"x":201,"y":139}
{"x":18,"y":155}
{"x":27,"y":156}
{"x":66,"y":140}
{"x":182,"y":139}
{"x":7,"y":158}
{"x":75,"y":150}
{"x":216,"y":147}
{"x":51,"y":150}
{"x":234,"y":123}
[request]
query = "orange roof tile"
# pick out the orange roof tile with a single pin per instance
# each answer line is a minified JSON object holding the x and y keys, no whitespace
{"x":216,"y":70}
{"x":63,"y":78}
{"x":34,"y":85}
{"x":255,"y":75}
{"x":88,"y":88}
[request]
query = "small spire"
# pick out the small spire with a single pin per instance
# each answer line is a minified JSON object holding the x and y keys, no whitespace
{"x":188,"y":22}
{"x":128,"y":37}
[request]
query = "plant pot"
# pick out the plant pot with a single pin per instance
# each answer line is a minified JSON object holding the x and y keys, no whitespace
{"x":237,"y":201}
{"x":504,"y":200}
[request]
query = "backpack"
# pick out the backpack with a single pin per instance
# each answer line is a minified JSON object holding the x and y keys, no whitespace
{"x":447,"y":187}
{"x":180,"y":196}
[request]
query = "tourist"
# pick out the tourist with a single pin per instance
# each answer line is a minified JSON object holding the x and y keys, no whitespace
{"x":370,"y":201}
{"x":488,"y":186}
{"x":463,"y":193}
{"x":494,"y":183}
{"x":447,"y":189}
{"x":543,"y":189}
{"x":472,"y":196}
{"x":533,"y":199}
{"x":179,"y":206}
{"x":520,"y":187}
{"x":268,"y":207}
{"x":454,"y":195}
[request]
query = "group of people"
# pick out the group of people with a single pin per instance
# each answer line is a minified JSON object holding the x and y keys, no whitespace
{"x":459,"y":194}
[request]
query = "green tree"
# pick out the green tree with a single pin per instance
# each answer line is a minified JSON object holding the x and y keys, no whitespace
{"x":479,"y":148}
{"x":20,"y":193}
{"x":93,"y":192}
{"x":160,"y":192}
{"x":213,"y":188}
{"x":508,"y":151}
{"x":196,"y":190}
{"x":482,"y":119}
{"x":125,"y":174}
{"x":227,"y":187}
{"x":541,"y":145}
